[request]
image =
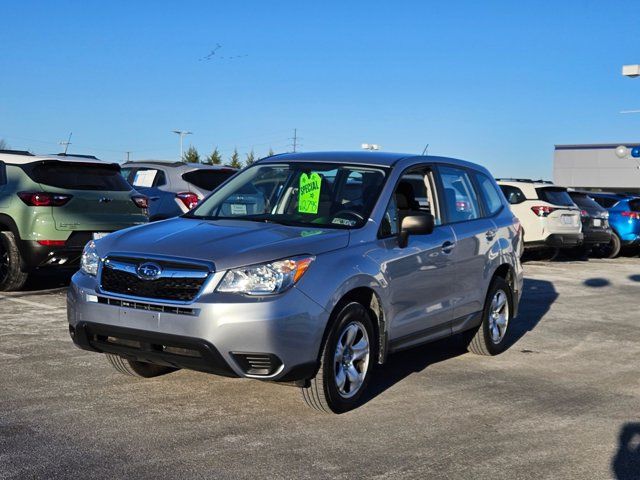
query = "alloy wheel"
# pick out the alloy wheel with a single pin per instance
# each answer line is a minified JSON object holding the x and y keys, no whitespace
{"x":351,"y":359}
{"x":498,"y":316}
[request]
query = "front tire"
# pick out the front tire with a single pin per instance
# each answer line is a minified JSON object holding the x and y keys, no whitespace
{"x":492,"y":336}
{"x":345,"y":363}
{"x":137,"y":369}
{"x":11,"y":277}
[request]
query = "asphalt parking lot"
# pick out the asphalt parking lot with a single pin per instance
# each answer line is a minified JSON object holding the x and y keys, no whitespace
{"x":562,"y":402}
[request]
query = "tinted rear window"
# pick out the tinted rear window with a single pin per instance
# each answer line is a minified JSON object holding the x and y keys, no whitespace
{"x":555,"y":196}
{"x":78,"y":176}
{"x":606,"y":202}
{"x":634,"y":205}
{"x":207,"y":179}
{"x":584,"y":201}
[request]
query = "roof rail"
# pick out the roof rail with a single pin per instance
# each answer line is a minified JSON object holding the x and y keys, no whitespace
{"x":17,"y":152}
{"x":160,"y":162}
{"x":525,"y":180}
{"x":93,"y":157}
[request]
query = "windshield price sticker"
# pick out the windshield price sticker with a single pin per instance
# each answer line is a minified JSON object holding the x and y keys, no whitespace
{"x":309,"y":193}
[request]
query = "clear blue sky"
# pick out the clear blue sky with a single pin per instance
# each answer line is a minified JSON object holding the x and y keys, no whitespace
{"x":495,"y":82}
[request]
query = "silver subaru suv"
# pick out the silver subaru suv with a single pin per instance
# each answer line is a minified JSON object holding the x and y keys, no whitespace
{"x":308,"y":269}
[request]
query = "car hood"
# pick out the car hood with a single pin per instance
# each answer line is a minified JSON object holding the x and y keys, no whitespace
{"x":226,"y":243}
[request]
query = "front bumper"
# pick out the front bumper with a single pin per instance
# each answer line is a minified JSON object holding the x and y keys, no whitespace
{"x":219,"y":333}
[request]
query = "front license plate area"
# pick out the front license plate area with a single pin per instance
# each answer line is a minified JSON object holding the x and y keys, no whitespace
{"x":140,"y":319}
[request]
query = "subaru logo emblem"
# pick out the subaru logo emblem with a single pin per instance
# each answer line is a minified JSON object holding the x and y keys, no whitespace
{"x":149,"y":271}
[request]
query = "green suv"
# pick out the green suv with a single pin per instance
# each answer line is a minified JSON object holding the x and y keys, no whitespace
{"x":51,"y":206}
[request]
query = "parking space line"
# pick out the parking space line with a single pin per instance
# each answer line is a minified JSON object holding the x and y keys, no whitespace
{"x":31,"y":304}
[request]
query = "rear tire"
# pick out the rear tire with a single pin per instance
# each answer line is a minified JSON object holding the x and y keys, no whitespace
{"x":491,"y":338}
{"x":346,"y":362}
{"x":612,"y":249}
{"x":137,"y":369}
{"x":11,"y":277}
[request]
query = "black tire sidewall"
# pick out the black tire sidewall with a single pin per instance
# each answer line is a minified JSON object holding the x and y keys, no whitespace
{"x":614,"y":247}
{"x":15,"y":277}
{"x":350,"y":312}
{"x":496,"y":348}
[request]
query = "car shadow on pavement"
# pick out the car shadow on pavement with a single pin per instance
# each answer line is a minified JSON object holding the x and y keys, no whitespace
{"x":596,"y":282}
{"x":40,"y":281}
{"x":626,"y":463}
{"x":537,"y":298}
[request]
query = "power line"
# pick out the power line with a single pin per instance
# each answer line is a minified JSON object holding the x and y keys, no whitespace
{"x":67,"y":143}
{"x":295,"y":140}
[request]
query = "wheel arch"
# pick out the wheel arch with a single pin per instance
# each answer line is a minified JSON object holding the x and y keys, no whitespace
{"x":507,"y":272}
{"x":368,"y":298}
{"x":7,"y":224}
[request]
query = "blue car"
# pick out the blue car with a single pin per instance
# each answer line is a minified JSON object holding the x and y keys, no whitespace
{"x":624,"y":219}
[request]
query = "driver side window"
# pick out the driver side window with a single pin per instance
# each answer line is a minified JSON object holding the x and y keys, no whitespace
{"x":414,"y":192}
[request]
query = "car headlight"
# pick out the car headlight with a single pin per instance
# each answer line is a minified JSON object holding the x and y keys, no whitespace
{"x":265,"y":278}
{"x":90,"y":259}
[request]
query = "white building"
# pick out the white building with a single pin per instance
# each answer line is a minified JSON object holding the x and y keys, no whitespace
{"x":596,"y":167}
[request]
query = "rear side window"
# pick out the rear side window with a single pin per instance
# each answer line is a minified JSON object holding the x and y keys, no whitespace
{"x":490,"y":193}
{"x":3,"y":174}
{"x":555,"y":196}
{"x":207,"y":179}
{"x":148,"y":177}
{"x":634,"y":205}
{"x":513,"y":194}
{"x":78,"y":176}
{"x":460,"y":201}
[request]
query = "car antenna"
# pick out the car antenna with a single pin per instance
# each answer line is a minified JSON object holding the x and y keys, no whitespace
{"x":426,"y":149}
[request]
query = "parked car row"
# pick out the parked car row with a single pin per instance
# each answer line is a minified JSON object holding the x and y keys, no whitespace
{"x":578,"y":222}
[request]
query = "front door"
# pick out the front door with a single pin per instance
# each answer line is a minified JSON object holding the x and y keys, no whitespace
{"x":420,"y":276}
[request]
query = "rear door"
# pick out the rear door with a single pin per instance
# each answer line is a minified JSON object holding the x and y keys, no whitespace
{"x":100,"y":196}
{"x":475,"y":238}
{"x":565,"y":215}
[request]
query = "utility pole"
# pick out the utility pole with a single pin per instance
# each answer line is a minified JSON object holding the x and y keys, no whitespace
{"x":128,"y":152}
{"x":295,"y":140}
{"x":67,"y":143}
{"x":182,"y":134}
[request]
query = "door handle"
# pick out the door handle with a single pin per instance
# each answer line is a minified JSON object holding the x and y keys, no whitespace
{"x":491,"y":234}
{"x":447,"y":246}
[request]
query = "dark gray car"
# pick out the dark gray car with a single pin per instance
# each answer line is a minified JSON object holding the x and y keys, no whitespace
{"x":173,"y":188}
{"x":333,"y":265}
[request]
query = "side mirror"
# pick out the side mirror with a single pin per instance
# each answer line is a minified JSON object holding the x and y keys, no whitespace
{"x":418,"y":223}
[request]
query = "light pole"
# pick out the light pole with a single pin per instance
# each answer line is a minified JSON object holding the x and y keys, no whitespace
{"x":182,"y":134}
{"x":630,"y":71}
{"x":370,"y":146}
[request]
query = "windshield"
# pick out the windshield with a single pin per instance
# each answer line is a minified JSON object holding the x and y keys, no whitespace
{"x":302,"y":194}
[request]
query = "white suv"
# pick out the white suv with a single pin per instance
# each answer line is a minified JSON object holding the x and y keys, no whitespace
{"x":548,"y":216}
